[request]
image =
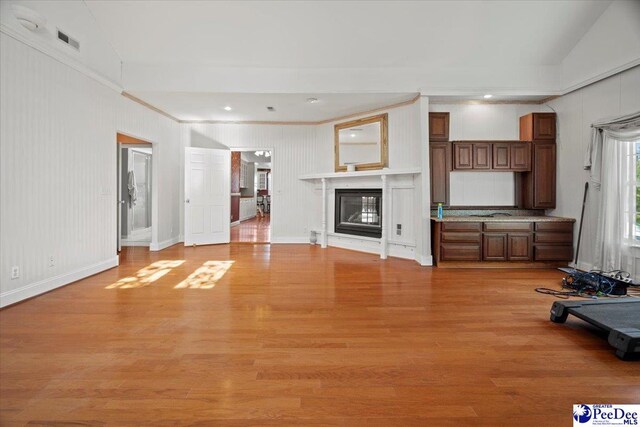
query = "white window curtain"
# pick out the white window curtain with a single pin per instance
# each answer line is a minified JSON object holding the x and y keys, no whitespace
{"x":616,"y":220}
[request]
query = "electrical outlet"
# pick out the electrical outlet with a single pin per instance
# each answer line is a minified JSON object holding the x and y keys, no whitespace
{"x":15,"y":272}
{"x":51,"y":261}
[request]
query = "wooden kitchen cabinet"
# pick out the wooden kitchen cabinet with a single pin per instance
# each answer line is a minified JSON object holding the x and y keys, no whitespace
{"x":462,"y":156}
{"x":482,"y":155}
{"x":520,"y":156}
{"x":439,"y":127}
{"x":494,"y":247}
{"x":538,"y":187}
{"x":440,"y":165}
{"x":522,"y":243}
{"x":512,"y":156}
{"x":504,"y":156}
{"x":538,"y":127}
{"x":519,"y":247}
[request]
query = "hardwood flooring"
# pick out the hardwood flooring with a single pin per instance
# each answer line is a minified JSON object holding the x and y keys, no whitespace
{"x":254,"y":230}
{"x":296,"y":335}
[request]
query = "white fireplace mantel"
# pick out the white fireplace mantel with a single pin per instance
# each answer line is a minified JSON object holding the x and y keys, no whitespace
{"x":358,"y":174}
{"x":381,"y":173}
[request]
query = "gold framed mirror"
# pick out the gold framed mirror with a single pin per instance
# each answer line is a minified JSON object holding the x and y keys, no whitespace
{"x":362,"y":143}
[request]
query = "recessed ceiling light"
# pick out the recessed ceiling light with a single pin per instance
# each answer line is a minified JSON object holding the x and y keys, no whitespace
{"x":353,"y":135}
{"x":227,"y":108}
{"x":487,"y":96}
{"x":312,"y":100}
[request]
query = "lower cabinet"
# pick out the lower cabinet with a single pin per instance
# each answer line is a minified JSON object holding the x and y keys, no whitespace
{"x":247,"y":208}
{"x":494,"y":247}
{"x":503,"y":241}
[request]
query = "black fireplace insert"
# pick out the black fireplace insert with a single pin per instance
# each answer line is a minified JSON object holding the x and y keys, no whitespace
{"x":359,"y":212}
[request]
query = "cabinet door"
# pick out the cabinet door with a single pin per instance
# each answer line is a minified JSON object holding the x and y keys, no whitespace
{"x":544,"y":176}
{"x":520,"y":156}
{"x":519,"y":247}
{"x":501,"y":156}
{"x":494,"y":247}
{"x":482,"y":156}
{"x":439,"y":127}
{"x":462,"y":156}
{"x":440,"y":161}
{"x":544,"y":126}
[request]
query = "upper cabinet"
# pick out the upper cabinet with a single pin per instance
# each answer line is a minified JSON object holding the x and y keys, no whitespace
{"x":504,"y":156}
{"x":538,"y":187}
{"x":538,"y":127}
{"x":439,"y":127}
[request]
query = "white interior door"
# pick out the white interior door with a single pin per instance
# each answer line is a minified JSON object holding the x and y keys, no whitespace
{"x":207,"y":196}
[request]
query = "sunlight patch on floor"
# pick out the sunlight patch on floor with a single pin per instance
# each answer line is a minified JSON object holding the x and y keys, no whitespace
{"x":146,"y":276}
{"x":206,"y":276}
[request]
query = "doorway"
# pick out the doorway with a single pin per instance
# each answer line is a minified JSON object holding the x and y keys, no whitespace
{"x":251,"y":190}
{"x":135,"y":194}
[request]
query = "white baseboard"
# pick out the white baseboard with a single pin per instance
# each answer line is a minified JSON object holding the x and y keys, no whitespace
{"x":234,"y":223}
{"x":134,"y":243}
{"x":289,"y":240}
{"x":164,"y":244}
{"x":46,"y":285}
{"x":425,"y":261}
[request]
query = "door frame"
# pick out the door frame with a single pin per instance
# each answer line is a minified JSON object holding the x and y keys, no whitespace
{"x":124,"y":140}
{"x":274,"y":198}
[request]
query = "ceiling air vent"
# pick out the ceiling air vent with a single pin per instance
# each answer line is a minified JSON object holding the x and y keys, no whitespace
{"x":271,"y":109}
{"x":68,"y":40}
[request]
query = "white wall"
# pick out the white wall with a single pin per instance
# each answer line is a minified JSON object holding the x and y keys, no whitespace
{"x":610,"y":45}
{"x":615,"y":96}
{"x":58,"y":171}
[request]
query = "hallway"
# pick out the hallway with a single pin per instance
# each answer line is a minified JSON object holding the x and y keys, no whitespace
{"x":255,"y":230}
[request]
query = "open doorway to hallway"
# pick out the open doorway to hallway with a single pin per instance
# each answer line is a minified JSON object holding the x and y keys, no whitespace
{"x":134,"y":194}
{"x":251,"y":189}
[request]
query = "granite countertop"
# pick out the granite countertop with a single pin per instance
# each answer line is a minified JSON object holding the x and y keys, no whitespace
{"x":514,"y":218}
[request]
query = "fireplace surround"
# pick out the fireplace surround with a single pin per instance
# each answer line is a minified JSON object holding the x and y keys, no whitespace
{"x":359,"y":212}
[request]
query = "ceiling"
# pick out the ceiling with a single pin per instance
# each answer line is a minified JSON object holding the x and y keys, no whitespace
{"x":193,"y":58}
{"x":253,"y":106}
{"x":311,"y":34}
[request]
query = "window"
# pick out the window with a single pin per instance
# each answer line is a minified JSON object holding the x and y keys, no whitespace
{"x":636,"y":216}
{"x":632,"y":187}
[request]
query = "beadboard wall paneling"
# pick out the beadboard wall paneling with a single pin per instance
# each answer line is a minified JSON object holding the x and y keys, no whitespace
{"x":615,"y":96}
{"x":58,"y":166}
{"x":404,"y":191}
{"x":295,"y":152}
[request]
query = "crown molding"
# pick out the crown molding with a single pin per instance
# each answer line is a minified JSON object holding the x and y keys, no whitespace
{"x":149,"y":106}
{"x":55,"y":54}
{"x":265,"y":122}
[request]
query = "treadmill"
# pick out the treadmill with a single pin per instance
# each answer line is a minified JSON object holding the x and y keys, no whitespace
{"x":619,"y":317}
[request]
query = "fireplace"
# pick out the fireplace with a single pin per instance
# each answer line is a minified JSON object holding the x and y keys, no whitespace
{"x":359,"y":212}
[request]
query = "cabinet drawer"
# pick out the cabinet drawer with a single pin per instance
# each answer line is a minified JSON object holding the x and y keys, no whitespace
{"x":459,"y":252}
{"x":459,"y":237}
{"x":507,"y":226}
{"x":461,"y":226}
{"x":563,"y":227}
{"x":553,"y":253}
{"x":554,"y":237}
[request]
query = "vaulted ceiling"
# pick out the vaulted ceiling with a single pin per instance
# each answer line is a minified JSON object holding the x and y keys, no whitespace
{"x":193,"y":58}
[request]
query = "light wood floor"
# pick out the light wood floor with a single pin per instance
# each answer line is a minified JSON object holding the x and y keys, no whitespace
{"x":254,"y":230}
{"x":293,"y":334}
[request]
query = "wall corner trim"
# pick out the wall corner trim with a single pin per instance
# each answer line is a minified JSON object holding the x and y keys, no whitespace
{"x":46,"y":285}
